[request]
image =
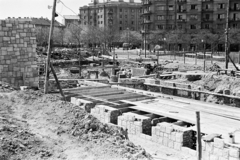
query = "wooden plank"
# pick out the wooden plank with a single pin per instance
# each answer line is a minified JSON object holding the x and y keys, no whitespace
{"x":99,"y":94}
{"x":122,"y":96}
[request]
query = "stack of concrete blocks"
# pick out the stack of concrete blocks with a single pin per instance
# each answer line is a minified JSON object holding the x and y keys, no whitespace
{"x":152,"y":88}
{"x":169,"y":89}
{"x":106,"y":114}
{"x":183,"y":93}
{"x":82,"y":103}
{"x":135,"y":123}
{"x":219,"y":150}
{"x":52,"y":85}
{"x":137,"y":72}
{"x":173,"y":136}
{"x":18,"y":57}
{"x":132,"y":82}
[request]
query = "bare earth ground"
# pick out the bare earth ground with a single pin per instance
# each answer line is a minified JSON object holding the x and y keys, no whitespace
{"x":36,"y":126}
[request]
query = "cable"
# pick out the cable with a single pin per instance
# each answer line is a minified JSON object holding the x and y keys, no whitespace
{"x":68,"y":7}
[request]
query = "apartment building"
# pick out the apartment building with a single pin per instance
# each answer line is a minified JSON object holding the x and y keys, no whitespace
{"x":190,"y":14}
{"x":119,"y":15}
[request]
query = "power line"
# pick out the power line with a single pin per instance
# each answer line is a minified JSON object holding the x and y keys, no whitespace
{"x":68,"y":8}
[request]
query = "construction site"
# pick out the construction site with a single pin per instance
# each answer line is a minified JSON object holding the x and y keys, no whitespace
{"x":151,"y":107}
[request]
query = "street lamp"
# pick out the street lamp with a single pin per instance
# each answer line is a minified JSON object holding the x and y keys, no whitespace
{"x":204,"y":55}
{"x":128,"y":42}
{"x":164,"y":40}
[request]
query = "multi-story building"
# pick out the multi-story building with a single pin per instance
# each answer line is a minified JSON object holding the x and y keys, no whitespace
{"x":189,"y":15}
{"x":70,"y":19}
{"x":117,"y":14}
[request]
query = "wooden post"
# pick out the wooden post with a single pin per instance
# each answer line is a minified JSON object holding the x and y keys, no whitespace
{"x":58,"y":84}
{"x":49,"y":48}
{"x":199,"y":144}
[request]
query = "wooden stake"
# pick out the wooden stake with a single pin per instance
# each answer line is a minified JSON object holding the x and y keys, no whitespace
{"x":58,"y":84}
{"x":199,"y":144}
{"x":49,"y":48}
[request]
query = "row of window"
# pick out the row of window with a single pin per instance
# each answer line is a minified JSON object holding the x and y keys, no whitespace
{"x":111,"y":10}
{"x":235,"y":6}
{"x":195,"y":26}
{"x":235,"y":16}
{"x":101,"y":16}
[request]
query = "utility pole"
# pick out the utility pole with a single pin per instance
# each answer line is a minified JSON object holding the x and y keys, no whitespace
{"x":226,"y":36}
{"x":49,"y":48}
{"x":145,"y":39}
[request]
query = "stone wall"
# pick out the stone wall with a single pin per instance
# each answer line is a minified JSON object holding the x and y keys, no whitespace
{"x":18,"y":57}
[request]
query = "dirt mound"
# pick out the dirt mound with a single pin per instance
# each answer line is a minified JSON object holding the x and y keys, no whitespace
{"x":50,"y":128}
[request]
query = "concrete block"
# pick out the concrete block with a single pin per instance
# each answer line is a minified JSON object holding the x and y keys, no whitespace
{"x":218,"y":143}
{"x":209,"y":147}
{"x":160,"y":140}
{"x":234,"y":152}
{"x":157,"y":131}
{"x":153,"y":130}
{"x":170,"y":144}
{"x":165,"y":141}
{"x":205,"y":155}
{"x":154,"y":138}
{"x":169,"y":129}
{"x":179,"y":137}
{"x":173,"y":136}
{"x":218,"y":151}
{"x":73,"y":100}
{"x":148,"y":137}
{"x":233,"y":158}
{"x":225,"y":153}
{"x":177,"y":146}
{"x":222,"y":158}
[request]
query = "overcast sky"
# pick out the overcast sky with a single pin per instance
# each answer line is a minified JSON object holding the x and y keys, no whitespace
{"x":39,"y":8}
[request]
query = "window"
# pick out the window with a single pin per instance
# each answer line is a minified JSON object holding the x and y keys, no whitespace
{"x":160,"y":17}
{"x":101,"y":16}
{"x":179,"y":26}
{"x":126,"y":10}
{"x":221,"y":6}
{"x":120,"y":22}
{"x":236,"y":6}
{"x":126,"y":16}
{"x":193,"y":26}
{"x":206,"y":26}
{"x":161,"y":8}
{"x":170,"y":26}
{"x":193,"y":6}
{"x":170,"y":8}
{"x":193,"y":16}
{"x":132,"y":16}
{"x":120,"y":28}
{"x":234,"y":25}
{"x":101,"y":22}
{"x":170,"y":17}
{"x":120,"y":10}
{"x":84,"y":17}
{"x":132,"y":22}
{"x":221,"y":16}
{"x":207,"y":16}
{"x":220,"y":26}
{"x":133,"y":10}
{"x":160,"y":27}
{"x":90,"y":17}
{"x":120,"y":16}
{"x":180,"y":17}
{"x":207,"y":6}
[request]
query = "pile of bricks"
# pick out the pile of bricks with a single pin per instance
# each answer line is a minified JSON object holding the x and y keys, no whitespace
{"x":172,"y":136}
{"x":82,"y":103}
{"x":219,"y":150}
{"x":106,"y":114}
{"x":18,"y":64}
{"x":52,"y":86}
{"x":135,"y":123}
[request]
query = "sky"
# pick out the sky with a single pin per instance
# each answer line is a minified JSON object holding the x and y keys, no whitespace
{"x":38,"y":8}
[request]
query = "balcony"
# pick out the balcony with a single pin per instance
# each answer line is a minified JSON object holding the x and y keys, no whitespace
{"x":146,"y":21}
{"x":181,"y":1}
{"x":146,"y":3}
{"x":207,"y":20}
{"x":146,"y":12}
{"x":207,"y":10}
{"x":110,"y":12}
{"x":181,"y":20}
{"x":181,"y":10}
{"x":234,"y":19}
{"x":234,"y":9}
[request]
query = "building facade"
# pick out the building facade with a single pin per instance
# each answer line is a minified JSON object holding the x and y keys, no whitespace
{"x":189,"y":15}
{"x":117,"y":14}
